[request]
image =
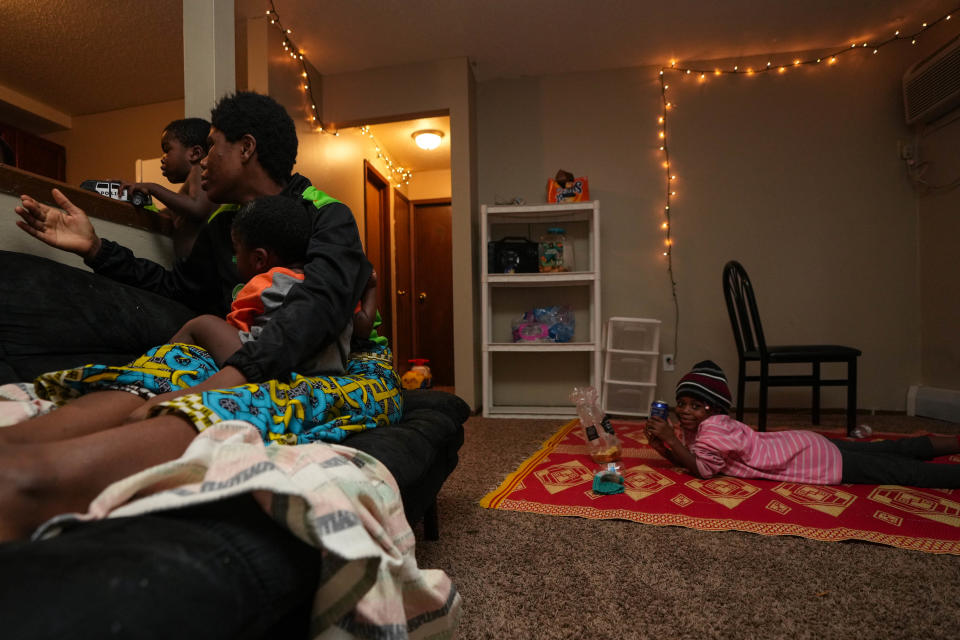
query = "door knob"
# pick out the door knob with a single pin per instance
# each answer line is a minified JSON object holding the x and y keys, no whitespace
{"x":401,"y":292}
{"x":422,"y":296}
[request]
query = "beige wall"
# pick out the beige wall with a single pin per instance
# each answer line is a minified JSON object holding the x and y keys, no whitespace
{"x":796,"y":176}
{"x":427,"y":185}
{"x":107,"y":145}
{"x":144,"y":244}
{"x":939,"y":223}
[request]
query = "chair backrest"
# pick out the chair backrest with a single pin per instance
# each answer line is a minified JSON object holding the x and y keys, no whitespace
{"x":742,"y":308}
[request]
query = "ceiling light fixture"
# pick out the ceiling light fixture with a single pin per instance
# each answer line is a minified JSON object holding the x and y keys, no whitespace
{"x":427,"y":138}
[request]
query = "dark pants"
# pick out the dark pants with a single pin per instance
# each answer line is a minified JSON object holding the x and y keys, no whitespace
{"x":221,"y":571}
{"x":895,"y":462}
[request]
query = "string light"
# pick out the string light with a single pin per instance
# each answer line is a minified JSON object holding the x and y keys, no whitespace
{"x":297,"y":54}
{"x":663,"y":129}
{"x":402,"y":175}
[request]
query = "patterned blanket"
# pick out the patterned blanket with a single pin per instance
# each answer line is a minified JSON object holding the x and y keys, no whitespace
{"x":559,"y":480}
{"x":19,"y":401}
{"x":296,"y":409}
{"x":331,"y":496}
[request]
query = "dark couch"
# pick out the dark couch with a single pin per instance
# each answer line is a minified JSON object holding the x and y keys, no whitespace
{"x":53,"y":317}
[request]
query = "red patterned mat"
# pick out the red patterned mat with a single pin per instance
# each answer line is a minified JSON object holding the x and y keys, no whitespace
{"x":557,"y":480}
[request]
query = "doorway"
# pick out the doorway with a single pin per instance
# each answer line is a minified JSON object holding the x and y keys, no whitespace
{"x":424,"y":244}
{"x":403,"y":344}
{"x":376,"y":225}
{"x":408,"y":228}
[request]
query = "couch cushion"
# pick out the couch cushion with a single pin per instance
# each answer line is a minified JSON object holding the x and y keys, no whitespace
{"x":420,"y":450}
{"x":54,"y":316}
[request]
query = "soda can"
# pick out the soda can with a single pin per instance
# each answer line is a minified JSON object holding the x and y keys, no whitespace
{"x":659,"y":409}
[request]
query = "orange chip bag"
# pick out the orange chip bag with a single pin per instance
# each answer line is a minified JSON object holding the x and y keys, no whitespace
{"x":577,"y":190}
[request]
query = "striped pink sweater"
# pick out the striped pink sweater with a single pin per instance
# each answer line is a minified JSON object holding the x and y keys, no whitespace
{"x":724,"y":445}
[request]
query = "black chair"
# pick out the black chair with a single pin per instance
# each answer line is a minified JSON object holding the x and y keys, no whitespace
{"x":752,"y":347}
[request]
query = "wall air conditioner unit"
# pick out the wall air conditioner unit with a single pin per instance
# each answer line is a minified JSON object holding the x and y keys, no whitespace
{"x":931,"y":87}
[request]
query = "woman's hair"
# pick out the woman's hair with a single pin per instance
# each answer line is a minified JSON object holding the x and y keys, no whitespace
{"x":267,"y":121}
{"x":191,"y":132}
{"x":277,"y":223}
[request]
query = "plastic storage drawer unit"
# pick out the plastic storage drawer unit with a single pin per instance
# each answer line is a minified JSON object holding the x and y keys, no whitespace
{"x":629,"y":399}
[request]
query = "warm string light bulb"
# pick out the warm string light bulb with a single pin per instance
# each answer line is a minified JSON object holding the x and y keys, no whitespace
{"x":781,"y":68}
{"x":397,"y":173}
{"x":665,"y":163}
{"x":296,"y":54}
{"x":667,"y":106}
{"x":403,"y":175}
{"x":667,"y":224}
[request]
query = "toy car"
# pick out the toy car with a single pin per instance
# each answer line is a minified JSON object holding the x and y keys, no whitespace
{"x":419,"y":376}
{"x":111,"y":189}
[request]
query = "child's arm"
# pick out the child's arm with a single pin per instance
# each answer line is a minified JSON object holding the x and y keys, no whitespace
{"x":214,"y":334}
{"x":196,"y":206}
{"x":364,"y":318}
{"x":226,"y":378}
{"x":658,"y":446}
{"x":221,"y":340}
{"x":664,"y":440}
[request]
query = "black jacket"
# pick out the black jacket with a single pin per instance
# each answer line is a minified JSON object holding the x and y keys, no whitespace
{"x":313,"y":315}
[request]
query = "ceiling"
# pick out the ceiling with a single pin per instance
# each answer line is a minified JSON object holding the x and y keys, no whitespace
{"x":396,"y":138}
{"x":88,"y":56}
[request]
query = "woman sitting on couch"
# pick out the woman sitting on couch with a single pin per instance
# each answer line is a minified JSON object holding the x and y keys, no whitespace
{"x":252,"y":153}
{"x":168,"y":388}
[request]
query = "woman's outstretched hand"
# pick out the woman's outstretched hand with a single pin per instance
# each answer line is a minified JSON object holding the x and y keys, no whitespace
{"x":66,"y":228}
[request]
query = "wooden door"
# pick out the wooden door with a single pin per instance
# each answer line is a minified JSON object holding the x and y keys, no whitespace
{"x":403,"y":341}
{"x":376,"y":218}
{"x":433,"y":287}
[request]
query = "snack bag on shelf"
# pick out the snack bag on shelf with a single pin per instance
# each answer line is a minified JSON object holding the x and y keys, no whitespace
{"x":559,"y":320}
{"x":566,"y":188}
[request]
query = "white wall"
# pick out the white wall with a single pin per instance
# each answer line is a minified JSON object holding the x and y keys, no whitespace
{"x":144,"y":244}
{"x":794,"y":175}
{"x":939,"y":223}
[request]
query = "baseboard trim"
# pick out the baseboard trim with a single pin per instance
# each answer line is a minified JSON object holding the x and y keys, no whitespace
{"x":931,"y":402}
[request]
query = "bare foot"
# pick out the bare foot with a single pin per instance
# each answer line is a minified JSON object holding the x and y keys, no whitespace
{"x":20,"y":507}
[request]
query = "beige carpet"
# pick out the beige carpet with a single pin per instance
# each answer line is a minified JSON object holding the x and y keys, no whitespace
{"x":525,"y":575}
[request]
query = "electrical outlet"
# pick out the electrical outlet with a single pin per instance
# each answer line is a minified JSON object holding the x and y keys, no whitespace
{"x":668,"y":362}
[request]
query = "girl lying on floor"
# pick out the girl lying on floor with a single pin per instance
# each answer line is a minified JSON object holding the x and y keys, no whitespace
{"x":709,"y":442}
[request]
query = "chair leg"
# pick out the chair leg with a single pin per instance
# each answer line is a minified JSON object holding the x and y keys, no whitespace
{"x":851,"y":395}
{"x":815,"y":411}
{"x":741,"y":385}
{"x":762,"y":417}
{"x":431,"y":522}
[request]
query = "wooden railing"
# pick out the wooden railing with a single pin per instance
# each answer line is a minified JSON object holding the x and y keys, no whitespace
{"x":16,"y":182}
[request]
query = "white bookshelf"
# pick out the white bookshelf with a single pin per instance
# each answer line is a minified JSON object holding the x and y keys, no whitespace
{"x":534,"y":380}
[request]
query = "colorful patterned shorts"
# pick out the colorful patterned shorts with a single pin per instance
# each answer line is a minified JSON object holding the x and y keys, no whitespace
{"x":297,"y":410}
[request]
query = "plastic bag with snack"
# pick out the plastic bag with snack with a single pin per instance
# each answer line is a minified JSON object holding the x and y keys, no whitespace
{"x":602,"y":441}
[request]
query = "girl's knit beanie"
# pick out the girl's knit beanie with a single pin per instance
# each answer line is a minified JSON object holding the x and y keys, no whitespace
{"x":707,"y":382}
